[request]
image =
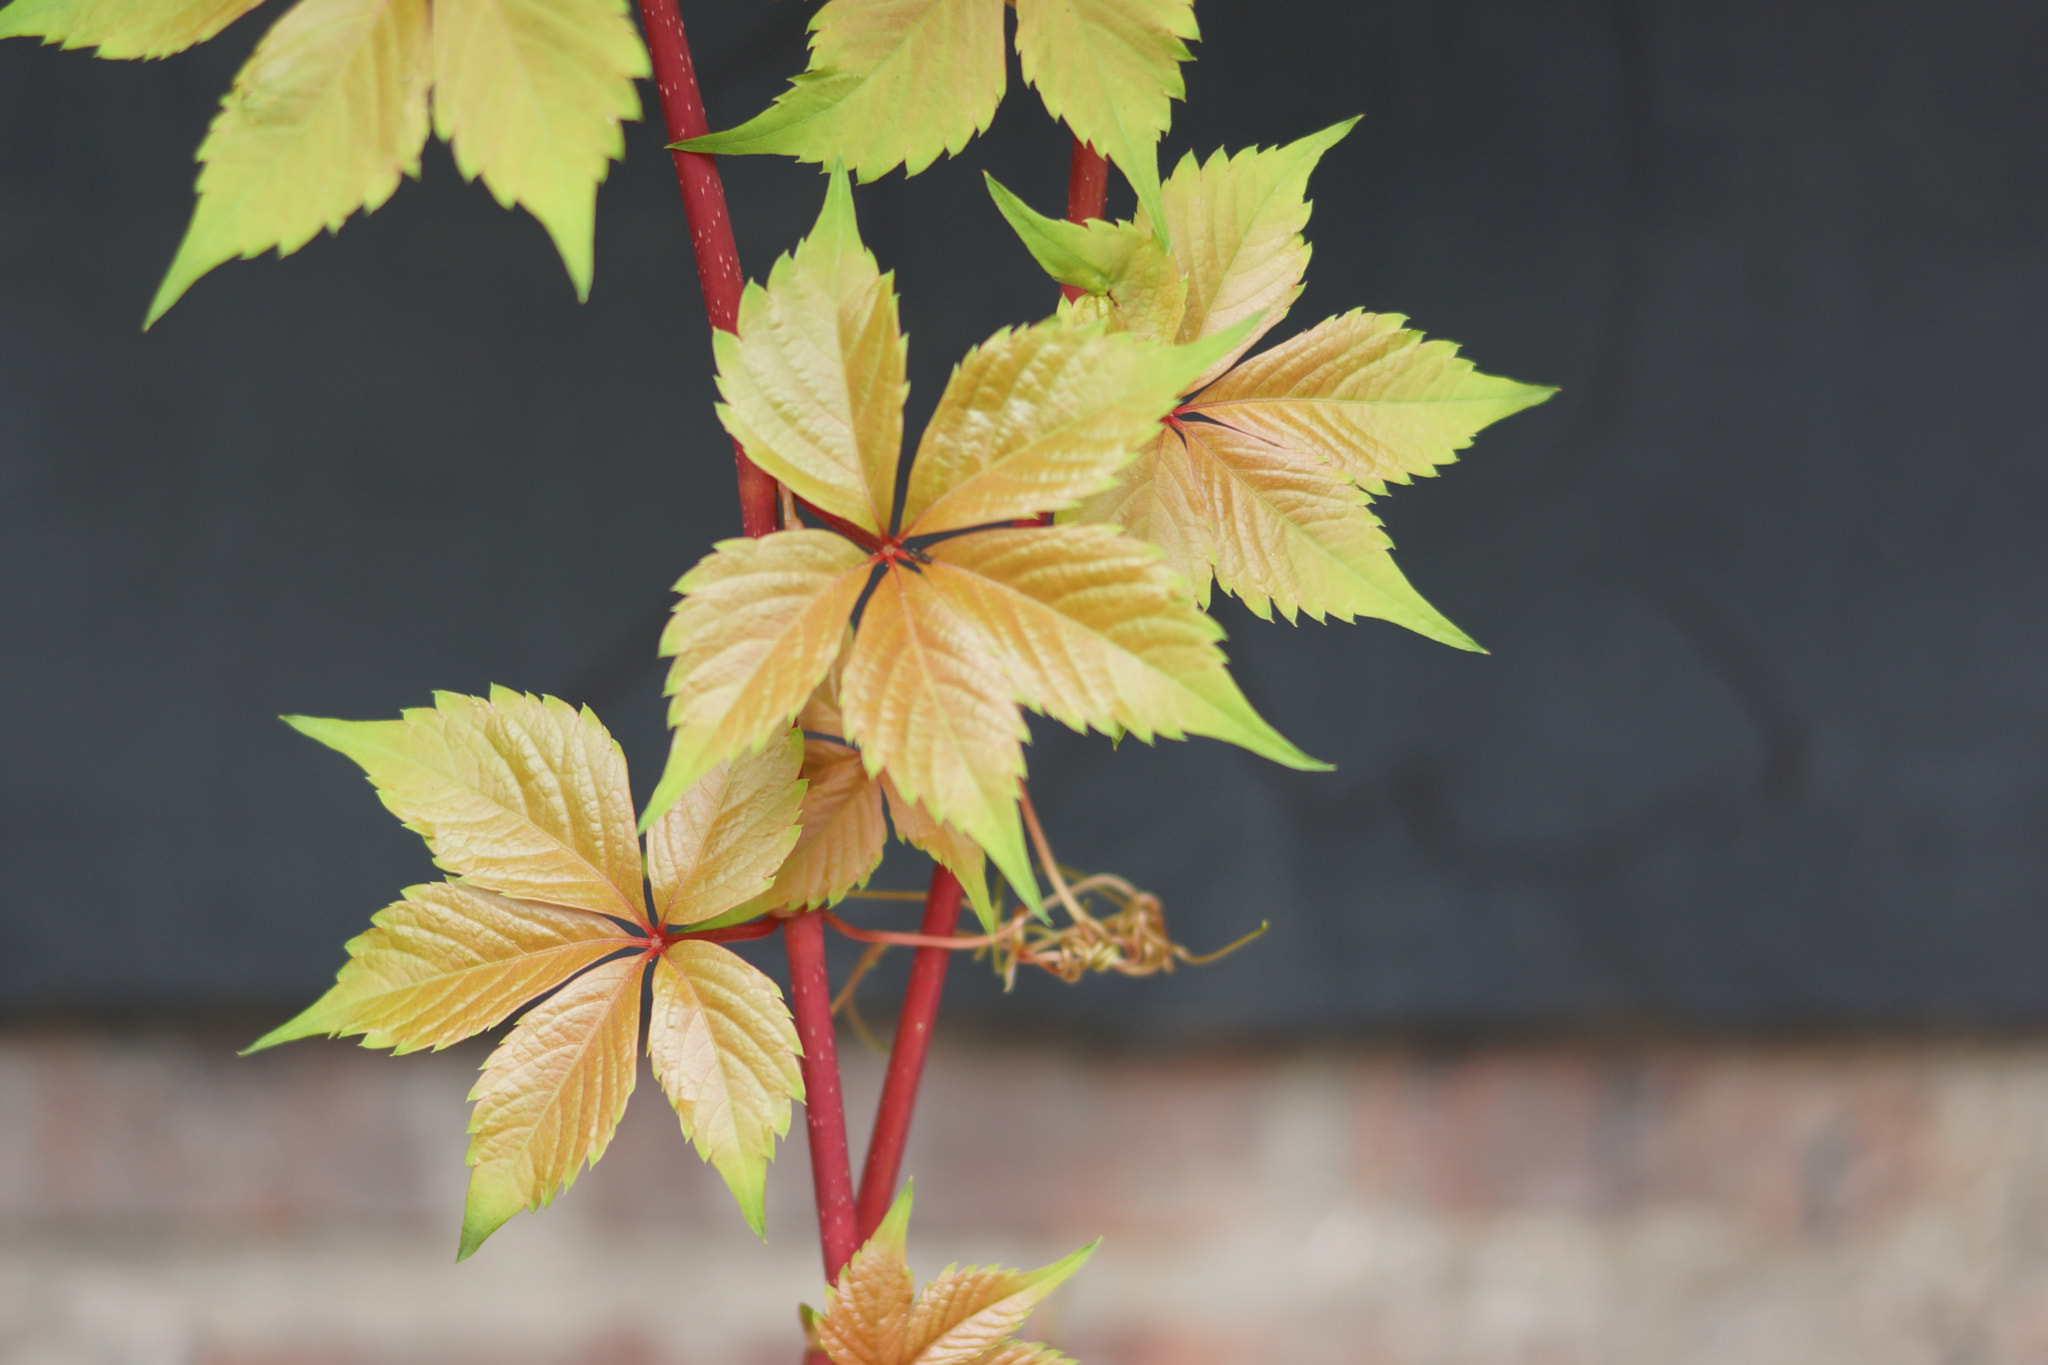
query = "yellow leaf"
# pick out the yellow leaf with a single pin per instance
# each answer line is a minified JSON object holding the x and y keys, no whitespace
{"x":925,"y":700}
{"x":725,"y":1052}
{"x":1366,"y":396}
{"x":720,"y":844}
{"x":323,"y":119}
{"x":1287,"y":531}
{"x":759,"y":624}
{"x":1037,"y":418}
{"x":551,"y":1095}
{"x":1092,"y":630}
{"x":890,"y":82}
{"x":875,"y":1316}
{"x":529,"y":95}
{"x":122,"y":28}
{"x":843,"y":831}
{"x":447,"y":962}
{"x":947,"y":846}
{"x":520,"y":795}
{"x":813,"y":380}
{"x":1156,"y":499}
{"x":1110,"y":69}
{"x":1234,"y":224}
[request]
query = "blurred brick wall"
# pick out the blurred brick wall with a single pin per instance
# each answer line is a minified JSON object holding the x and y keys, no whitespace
{"x":165,"y":1203}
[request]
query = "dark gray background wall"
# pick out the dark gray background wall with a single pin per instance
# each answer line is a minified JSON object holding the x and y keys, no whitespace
{"x":1763,"y":738}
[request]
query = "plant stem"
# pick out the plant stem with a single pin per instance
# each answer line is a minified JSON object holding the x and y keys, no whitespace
{"x":907,"y":1053}
{"x":718,"y":260}
{"x":824,"y":1109}
{"x":1087,"y":193}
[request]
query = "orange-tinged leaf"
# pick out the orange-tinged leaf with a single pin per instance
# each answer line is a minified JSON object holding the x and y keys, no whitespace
{"x":1286,"y":530}
{"x":873,"y":1316}
{"x":760,"y":623}
{"x":843,"y":831}
{"x":530,"y":94}
{"x":447,"y":962}
{"x":947,"y":846}
{"x":1234,"y":224}
{"x":1094,"y":631}
{"x":551,"y":1095}
{"x":813,"y":379}
{"x":521,"y":795}
{"x":1366,"y":396}
{"x":1037,"y":418}
{"x":122,"y":28}
{"x":725,"y":1051}
{"x":1157,"y":499}
{"x":720,"y":844}
{"x":925,"y":700}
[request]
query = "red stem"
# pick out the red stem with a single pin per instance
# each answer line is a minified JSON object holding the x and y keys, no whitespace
{"x":1087,"y":193}
{"x":824,"y":1109}
{"x":718,"y":260}
{"x":907,"y":1054}
{"x":718,"y":271}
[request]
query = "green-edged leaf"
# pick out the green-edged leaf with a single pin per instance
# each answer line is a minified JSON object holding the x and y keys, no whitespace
{"x":720,"y":844}
{"x":323,"y":119}
{"x":759,"y":624}
{"x":874,"y":1316}
{"x":1092,"y":630}
{"x":1234,"y":223}
{"x":925,"y":701}
{"x":1110,"y":69}
{"x":725,"y":1052}
{"x":529,"y":95}
{"x":520,"y":795}
{"x":1037,"y":418}
{"x":1287,"y":531}
{"x":1119,"y":260}
{"x":843,"y":831}
{"x":813,"y":380}
{"x":1367,"y":396}
{"x":550,"y":1097}
{"x":122,"y":28}
{"x":447,"y":962}
{"x":891,"y":82}
{"x":947,"y":846}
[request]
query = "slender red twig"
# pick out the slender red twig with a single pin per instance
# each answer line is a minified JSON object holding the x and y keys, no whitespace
{"x":907,"y":1053}
{"x":1087,"y":192}
{"x":718,"y":271}
{"x":718,"y":260}
{"x":824,"y":1109}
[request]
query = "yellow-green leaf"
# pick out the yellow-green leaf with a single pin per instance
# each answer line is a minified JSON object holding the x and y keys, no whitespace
{"x":720,"y":844}
{"x":1287,"y":531}
{"x":529,"y":95}
{"x":1092,"y":630}
{"x":890,"y":82}
{"x":1366,"y":396}
{"x":965,"y":1316}
{"x":813,"y":380}
{"x":1110,"y":69}
{"x":759,"y":624}
{"x":725,"y":1053}
{"x":520,"y":795}
{"x":447,"y":962}
{"x":1120,"y":261}
{"x":550,"y":1096}
{"x":1037,"y":418}
{"x":925,"y":700}
{"x":323,"y":119}
{"x":947,"y":846}
{"x":1234,"y":223}
{"x":122,"y":28}
{"x":843,"y":831}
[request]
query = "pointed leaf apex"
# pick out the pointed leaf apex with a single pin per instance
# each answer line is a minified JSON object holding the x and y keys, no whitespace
{"x":894,"y":1229}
